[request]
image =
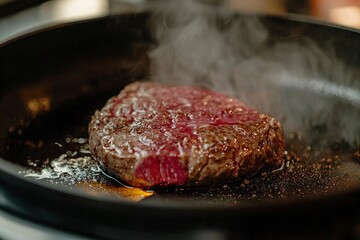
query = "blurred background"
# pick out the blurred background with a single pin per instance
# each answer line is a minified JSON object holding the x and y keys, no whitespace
{"x":16,"y":16}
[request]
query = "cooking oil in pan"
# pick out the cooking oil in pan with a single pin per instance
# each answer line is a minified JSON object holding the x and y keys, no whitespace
{"x":77,"y":169}
{"x":306,"y":171}
{"x":70,"y":167}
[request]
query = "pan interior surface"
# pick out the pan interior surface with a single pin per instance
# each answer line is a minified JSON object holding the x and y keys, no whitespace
{"x":50,"y":91}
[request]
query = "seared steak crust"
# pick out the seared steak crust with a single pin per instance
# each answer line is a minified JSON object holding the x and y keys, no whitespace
{"x":159,"y":135}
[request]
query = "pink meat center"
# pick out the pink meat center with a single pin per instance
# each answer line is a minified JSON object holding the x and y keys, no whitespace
{"x":166,"y":170}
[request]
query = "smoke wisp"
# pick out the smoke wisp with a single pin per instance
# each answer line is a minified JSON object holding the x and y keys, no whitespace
{"x":304,"y":86}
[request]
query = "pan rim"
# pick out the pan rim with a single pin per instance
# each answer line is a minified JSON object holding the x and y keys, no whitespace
{"x":9,"y":168}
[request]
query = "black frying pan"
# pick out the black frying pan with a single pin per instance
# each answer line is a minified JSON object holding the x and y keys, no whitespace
{"x":77,"y":67}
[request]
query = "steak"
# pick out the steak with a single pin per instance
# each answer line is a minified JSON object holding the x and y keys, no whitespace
{"x":157,"y":135}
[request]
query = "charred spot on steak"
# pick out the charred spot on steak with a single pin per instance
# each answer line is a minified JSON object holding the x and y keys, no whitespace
{"x":154,"y":134}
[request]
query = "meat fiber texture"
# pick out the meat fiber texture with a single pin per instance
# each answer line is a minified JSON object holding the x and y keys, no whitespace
{"x":157,"y":135}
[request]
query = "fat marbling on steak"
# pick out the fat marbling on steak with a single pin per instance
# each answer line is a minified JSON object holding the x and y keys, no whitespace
{"x":154,"y":134}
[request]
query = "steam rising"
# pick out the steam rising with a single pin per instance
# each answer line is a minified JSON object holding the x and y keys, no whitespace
{"x":306,"y":88}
